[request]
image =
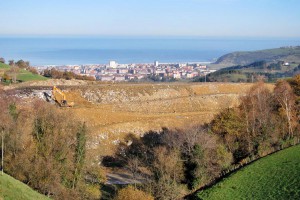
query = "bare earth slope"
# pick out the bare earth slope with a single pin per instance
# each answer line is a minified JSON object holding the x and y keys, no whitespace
{"x":114,"y":110}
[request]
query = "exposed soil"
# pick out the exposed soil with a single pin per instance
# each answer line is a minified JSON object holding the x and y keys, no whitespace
{"x":111,"y":111}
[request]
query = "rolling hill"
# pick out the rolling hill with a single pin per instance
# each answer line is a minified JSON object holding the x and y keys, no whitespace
{"x":23,"y":75}
{"x":274,"y":177}
{"x":286,"y":54}
{"x":259,"y":70}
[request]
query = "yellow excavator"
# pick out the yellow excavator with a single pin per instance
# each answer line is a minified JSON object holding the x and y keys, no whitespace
{"x":60,"y":97}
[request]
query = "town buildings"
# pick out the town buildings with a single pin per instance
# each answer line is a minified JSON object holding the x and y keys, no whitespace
{"x":130,"y":72}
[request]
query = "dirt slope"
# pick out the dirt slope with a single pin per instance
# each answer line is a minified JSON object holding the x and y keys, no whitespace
{"x":114,"y":110}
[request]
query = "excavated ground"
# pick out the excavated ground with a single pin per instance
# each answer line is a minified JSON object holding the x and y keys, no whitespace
{"x":114,"y":110}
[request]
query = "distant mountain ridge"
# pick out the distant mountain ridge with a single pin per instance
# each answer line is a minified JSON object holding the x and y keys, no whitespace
{"x":286,"y":54}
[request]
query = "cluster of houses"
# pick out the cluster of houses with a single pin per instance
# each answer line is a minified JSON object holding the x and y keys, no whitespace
{"x":126,"y":72}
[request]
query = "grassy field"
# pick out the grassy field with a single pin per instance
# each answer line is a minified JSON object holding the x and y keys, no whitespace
{"x":23,"y":75}
{"x":28,"y":76}
{"x":274,"y":177}
{"x":12,"y":189}
{"x":3,"y":66}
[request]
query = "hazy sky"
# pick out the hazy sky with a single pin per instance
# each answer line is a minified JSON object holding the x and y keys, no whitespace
{"x":276,"y":18}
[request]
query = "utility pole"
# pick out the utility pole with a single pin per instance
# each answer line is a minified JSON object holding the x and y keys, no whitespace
{"x":2,"y":151}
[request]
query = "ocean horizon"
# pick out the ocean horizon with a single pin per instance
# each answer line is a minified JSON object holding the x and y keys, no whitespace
{"x":63,"y":50}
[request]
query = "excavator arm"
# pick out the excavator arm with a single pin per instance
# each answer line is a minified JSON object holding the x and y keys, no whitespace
{"x":60,"y":97}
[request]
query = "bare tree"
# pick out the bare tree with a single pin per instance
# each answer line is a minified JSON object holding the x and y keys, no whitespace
{"x":13,"y":72}
{"x":287,"y":100}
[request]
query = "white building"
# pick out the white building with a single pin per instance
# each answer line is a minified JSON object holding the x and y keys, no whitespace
{"x":156,"y":63}
{"x":112,"y":64}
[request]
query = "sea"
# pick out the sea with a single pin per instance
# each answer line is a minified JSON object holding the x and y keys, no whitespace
{"x":70,"y":50}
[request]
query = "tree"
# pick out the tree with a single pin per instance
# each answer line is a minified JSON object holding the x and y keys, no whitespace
{"x":256,"y":110}
{"x":287,"y":99}
{"x":2,"y":60}
{"x":6,"y":77}
{"x":130,"y":193}
{"x":230,"y":126}
{"x":22,"y":64}
{"x":80,"y":153}
{"x":295,"y":84}
{"x":13,"y":73}
{"x":11,"y":62}
{"x":4,"y":124}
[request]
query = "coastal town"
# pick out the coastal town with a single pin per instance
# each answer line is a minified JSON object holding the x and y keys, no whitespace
{"x":114,"y":71}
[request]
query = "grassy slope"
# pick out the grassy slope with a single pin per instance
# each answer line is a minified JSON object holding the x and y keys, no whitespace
{"x":28,"y":76}
{"x":23,"y":74}
{"x":12,"y":189}
{"x":274,"y":177}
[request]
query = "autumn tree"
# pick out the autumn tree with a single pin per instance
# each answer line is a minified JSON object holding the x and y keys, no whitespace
{"x":130,"y":193}
{"x":167,"y":172}
{"x":2,"y":60}
{"x":286,"y":98}
{"x":205,"y":157}
{"x":295,"y":84}
{"x":22,"y":64}
{"x":256,"y":110}
{"x":13,"y":72}
{"x":230,"y":126}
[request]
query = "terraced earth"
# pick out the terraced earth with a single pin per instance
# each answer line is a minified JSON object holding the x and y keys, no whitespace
{"x":112,"y":111}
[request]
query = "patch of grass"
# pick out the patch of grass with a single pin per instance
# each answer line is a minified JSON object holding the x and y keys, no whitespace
{"x":274,"y":177}
{"x":12,"y":189}
{"x":23,"y":74}
{"x":4,"y":66}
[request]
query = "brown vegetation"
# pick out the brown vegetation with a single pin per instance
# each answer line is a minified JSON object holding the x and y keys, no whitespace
{"x":56,"y":74}
{"x":130,"y":193}
{"x":46,"y":148}
{"x":178,"y":160}
{"x":174,"y":160}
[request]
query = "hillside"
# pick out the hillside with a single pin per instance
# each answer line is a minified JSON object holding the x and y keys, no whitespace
{"x":114,"y":110}
{"x":274,"y":177}
{"x":12,"y":189}
{"x":269,"y":71}
{"x":287,"y":54}
{"x":23,"y":75}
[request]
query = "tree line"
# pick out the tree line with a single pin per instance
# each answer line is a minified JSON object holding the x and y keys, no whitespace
{"x":15,"y":67}
{"x":270,"y":72}
{"x":56,"y":74}
{"x":46,"y":148}
{"x":177,"y":162}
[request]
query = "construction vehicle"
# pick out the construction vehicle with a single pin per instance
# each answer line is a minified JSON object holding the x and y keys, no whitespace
{"x":60,"y":98}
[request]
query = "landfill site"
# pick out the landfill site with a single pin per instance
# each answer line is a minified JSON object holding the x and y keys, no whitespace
{"x":112,"y":110}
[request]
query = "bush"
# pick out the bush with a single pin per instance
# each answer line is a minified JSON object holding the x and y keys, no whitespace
{"x":130,"y":193}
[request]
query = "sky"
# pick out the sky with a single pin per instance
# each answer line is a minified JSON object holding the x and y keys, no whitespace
{"x":212,"y":18}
